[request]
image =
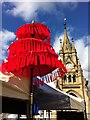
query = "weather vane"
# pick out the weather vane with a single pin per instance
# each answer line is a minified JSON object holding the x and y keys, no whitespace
{"x":64,"y":23}
{"x":64,"y":19}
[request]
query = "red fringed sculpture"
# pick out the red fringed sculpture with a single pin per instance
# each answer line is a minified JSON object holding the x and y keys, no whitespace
{"x":32,"y":50}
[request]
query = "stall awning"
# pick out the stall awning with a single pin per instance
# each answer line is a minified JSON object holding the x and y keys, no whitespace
{"x":46,"y":97}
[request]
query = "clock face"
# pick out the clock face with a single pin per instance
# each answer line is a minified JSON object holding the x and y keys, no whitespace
{"x":68,"y":66}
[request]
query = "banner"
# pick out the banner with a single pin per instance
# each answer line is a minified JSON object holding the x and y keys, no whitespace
{"x":47,"y":78}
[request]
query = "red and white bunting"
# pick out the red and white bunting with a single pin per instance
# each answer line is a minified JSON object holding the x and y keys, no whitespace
{"x":48,"y":78}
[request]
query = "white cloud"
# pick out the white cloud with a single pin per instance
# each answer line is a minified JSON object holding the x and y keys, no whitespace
{"x":6,"y":37}
{"x":82,"y":52}
{"x":29,"y":10}
{"x":56,"y":44}
{"x":88,"y":79}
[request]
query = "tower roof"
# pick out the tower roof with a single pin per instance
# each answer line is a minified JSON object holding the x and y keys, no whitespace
{"x":66,"y":42}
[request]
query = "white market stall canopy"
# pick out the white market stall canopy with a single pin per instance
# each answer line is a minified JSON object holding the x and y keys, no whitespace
{"x":46,"y":97}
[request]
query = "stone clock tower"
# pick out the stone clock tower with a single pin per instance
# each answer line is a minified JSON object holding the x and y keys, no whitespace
{"x":73,"y":82}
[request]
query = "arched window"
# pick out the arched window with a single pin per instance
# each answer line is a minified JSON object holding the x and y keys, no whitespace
{"x":69,"y":78}
{"x":65,"y":78}
{"x":73,"y":94}
{"x":74,"y":78}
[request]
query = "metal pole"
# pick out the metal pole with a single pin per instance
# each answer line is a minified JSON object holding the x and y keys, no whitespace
{"x":48,"y":114}
{"x":18,"y":116}
{"x":30,"y":102}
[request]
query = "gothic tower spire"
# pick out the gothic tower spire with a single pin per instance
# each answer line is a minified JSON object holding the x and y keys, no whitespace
{"x":66,"y":42}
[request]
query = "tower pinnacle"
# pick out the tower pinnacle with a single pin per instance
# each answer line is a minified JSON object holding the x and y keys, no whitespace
{"x":66,"y":42}
{"x":60,"y":44}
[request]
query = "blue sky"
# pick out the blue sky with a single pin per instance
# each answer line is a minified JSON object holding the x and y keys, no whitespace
{"x":76,"y":14}
{"x":52,"y":14}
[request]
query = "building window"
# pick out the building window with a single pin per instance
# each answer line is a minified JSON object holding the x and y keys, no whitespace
{"x":74,"y":78}
{"x":69,"y":78}
{"x":65,"y":78}
{"x":73,"y":94}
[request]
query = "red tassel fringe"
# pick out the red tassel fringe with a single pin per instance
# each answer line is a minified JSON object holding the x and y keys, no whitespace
{"x":39,"y":30}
